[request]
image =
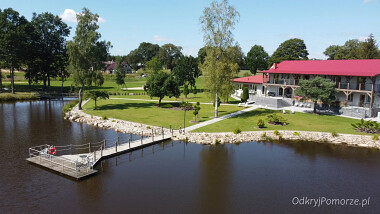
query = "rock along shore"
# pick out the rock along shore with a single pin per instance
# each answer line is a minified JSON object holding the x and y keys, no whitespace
{"x":323,"y":137}
{"x":77,"y":115}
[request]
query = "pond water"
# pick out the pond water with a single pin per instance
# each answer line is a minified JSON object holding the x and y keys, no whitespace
{"x":178,"y":177}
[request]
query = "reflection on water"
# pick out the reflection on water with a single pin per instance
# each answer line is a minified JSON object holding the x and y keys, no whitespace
{"x":177,"y":177}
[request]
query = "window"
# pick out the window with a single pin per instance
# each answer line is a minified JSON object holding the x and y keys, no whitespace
{"x":350,"y":97}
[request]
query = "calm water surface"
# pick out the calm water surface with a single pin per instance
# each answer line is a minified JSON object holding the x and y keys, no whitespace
{"x":176,"y":177}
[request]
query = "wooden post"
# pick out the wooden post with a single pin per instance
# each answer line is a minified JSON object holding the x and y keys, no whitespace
{"x":129,"y":143}
{"x":162,"y":128}
{"x":172,"y":132}
{"x":130,"y":136}
{"x":152,"y":135}
{"x":170,"y":128}
{"x":105,"y":144}
{"x":89,"y":147}
{"x":142,"y":136}
{"x":101,"y":151}
{"x":117,"y":142}
{"x":94,"y":156}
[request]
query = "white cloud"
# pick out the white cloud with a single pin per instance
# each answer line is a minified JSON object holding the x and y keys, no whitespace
{"x":158,"y":38}
{"x":69,"y":15}
{"x":366,"y":1}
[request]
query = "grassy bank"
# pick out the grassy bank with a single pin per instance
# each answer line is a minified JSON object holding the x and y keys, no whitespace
{"x":297,"y":121}
{"x":148,"y":113}
{"x":17,"y":97}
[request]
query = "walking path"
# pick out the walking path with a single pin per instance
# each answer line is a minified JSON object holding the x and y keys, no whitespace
{"x":199,"y":125}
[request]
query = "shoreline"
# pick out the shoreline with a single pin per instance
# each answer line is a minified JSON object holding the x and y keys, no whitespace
{"x":213,"y":138}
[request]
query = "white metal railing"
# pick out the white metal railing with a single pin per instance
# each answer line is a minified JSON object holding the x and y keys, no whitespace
{"x":42,"y":152}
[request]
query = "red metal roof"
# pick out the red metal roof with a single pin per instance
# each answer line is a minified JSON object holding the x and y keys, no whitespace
{"x":358,"y":67}
{"x":258,"y":79}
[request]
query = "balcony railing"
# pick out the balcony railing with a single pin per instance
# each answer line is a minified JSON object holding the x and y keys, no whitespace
{"x":339,"y":85}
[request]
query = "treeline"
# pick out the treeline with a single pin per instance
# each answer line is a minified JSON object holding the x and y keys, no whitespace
{"x":38,"y":46}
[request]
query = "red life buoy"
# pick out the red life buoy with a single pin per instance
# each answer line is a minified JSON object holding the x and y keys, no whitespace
{"x":52,"y":151}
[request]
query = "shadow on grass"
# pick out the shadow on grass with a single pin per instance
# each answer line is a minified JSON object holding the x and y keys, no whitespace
{"x":257,"y":112}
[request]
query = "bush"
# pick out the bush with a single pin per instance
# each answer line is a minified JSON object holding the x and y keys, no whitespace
{"x":66,"y":108}
{"x":276,"y":132}
{"x":369,"y":126}
{"x":104,"y":118}
{"x":261,"y":123}
{"x":264,"y":135}
{"x":276,"y":119}
{"x":217,"y":142}
{"x":167,"y":105}
{"x":375,"y":137}
{"x":237,"y":131}
{"x":296,"y":133}
{"x":334,"y":134}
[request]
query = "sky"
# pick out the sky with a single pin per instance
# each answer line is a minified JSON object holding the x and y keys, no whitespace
{"x":127,"y":23}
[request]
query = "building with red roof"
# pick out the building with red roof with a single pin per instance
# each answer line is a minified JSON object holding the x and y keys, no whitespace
{"x":357,"y":81}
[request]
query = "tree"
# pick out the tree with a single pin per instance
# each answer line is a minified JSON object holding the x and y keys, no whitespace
{"x":119,"y":71}
{"x":186,"y":70}
{"x":14,"y":37}
{"x":146,"y":51}
{"x":350,"y":50}
{"x":202,"y":54}
{"x":161,"y":84}
{"x":369,"y":48}
{"x":245,"y":95}
{"x":1,"y":81}
{"x":49,"y":46}
{"x":236,"y":55}
{"x":96,"y":95}
{"x":154,"y":64}
{"x":186,"y":90}
{"x":86,"y":52}
{"x":257,"y":59}
{"x":197,"y":108}
{"x":133,"y":59}
{"x":217,"y":22}
{"x":292,"y":49}
{"x":331,"y":51}
{"x":195,"y":90}
{"x":317,"y":89}
{"x":169,"y":54}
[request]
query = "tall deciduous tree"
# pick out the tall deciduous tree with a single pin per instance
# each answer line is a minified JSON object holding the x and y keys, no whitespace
{"x":292,"y":49}
{"x":350,"y":50}
{"x":146,"y":51}
{"x":169,"y":54}
{"x":96,"y":95}
{"x":186,"y":70}
{"x":317,"y":89}
{"x":86,"y":52}
{"x":217,"y":22}
{"x":331,"y":51}
{"x":49,"y":45}
{"x":154,"y":64}
{"x":14,"y":37}
{"x":257,"y":59}
{"x":161,"y":84}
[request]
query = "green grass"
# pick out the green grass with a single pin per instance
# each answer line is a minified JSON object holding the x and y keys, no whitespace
{"x":298,"y":122}
{"x":148,"y":113}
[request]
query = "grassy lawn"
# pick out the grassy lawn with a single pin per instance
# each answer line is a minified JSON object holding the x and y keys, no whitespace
{"x":199,"y":97}
{"x":17,"y":96}
{"x":148,"y":113}
{"x":298,"y":121}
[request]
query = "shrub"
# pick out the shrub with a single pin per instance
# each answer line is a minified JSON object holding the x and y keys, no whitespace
{"x":104,"y":118}
{"x":261,"y":123}
{"x":217,"y":142}
{"x":334,"y":134}
{"x":237,"y":131}
{"x":264,"y":135}
{"x":167,"y":105}
{"x":148,"y":127}
{"x":369,"y":126}
{"x":375,"y":137}
{"x":276,"y":132}
{"x":66,"y":108}
{"x":276,"y":119}
{"x":113,"y":121}
{"x":296,"y":133}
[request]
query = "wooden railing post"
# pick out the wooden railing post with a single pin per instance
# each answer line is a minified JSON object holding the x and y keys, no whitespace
{"x":162,"y":128}
{"x":152,"y":136}
{"x":89,"y":147}
{"x":129,"y":143}
{"x":142,"y":136}
{"x":117,"y":142}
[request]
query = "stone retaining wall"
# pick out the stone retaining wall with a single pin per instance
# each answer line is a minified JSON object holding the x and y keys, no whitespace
{"x":323,"y":137}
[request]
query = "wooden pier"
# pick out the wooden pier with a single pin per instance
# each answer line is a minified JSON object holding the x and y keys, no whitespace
{"x":81,"y":165}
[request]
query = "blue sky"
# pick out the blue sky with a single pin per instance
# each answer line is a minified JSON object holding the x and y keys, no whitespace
{"x":127,"y":23}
